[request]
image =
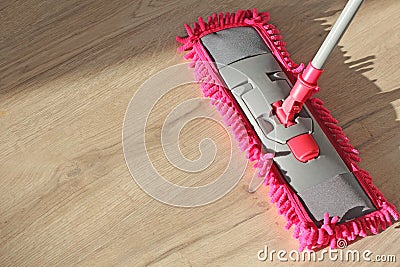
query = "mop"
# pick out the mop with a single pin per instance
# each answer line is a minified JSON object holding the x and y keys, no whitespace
{"x":300,"y":152}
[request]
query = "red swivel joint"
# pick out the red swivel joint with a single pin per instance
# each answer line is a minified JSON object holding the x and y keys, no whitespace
{"x":303,"y":89}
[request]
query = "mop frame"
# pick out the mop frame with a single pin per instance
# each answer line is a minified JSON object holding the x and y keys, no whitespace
{"x":309,"y":235}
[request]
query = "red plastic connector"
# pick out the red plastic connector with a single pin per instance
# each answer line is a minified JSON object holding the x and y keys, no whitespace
{"x":303,"y":89}
{"x":303,"y":147}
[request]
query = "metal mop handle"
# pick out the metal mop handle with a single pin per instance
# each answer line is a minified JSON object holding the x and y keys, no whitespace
{"x":306,"y":84}
{"x":336,"y":33}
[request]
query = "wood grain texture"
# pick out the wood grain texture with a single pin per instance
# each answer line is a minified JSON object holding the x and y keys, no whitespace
{"x":68,"y":70}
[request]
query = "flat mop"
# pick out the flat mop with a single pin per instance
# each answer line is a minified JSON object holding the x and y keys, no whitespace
{"x":299,"y":150}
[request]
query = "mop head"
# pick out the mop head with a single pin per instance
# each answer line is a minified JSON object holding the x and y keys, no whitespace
{"x":242,"y":64}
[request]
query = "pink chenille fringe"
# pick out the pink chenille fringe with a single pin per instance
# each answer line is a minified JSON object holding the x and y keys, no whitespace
{"x":310,"y":236}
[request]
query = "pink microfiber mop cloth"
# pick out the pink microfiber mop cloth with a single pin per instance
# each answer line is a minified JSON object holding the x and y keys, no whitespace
{"x":242,"y":64}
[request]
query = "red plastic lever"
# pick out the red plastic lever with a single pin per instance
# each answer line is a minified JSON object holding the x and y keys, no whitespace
{"x":303,"y":147}
{"x":303,"y":89}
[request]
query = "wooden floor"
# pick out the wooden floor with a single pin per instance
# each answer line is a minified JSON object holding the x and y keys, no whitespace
{"x":68,"y":70}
